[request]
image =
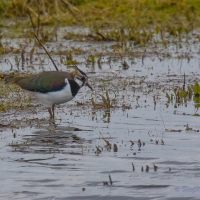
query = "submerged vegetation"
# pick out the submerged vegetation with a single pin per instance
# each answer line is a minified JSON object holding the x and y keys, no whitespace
{"x":181,"y":96}
{"x":106,"y":102}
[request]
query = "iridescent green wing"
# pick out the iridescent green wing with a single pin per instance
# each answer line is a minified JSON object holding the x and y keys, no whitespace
{"x":44,"y":82}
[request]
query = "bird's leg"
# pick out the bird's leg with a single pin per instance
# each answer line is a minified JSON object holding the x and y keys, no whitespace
{"x":50,"y":112}
{"x":53,"y":106}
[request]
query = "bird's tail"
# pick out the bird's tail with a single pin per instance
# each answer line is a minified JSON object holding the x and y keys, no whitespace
{"x":10,"y":78}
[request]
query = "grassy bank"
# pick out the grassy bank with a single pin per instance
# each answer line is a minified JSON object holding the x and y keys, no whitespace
{"x":174,"y":16}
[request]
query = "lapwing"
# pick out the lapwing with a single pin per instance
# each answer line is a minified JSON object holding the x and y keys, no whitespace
{"x":52,"y":87}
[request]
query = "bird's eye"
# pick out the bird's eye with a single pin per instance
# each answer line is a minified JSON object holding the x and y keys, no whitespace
{"x":82,"y":78}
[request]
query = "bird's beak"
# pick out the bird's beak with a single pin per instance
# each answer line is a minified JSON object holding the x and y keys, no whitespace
{"x":87,"y":84}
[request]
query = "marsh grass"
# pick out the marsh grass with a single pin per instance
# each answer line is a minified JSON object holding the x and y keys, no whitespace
{"x":181,"y":96}
{"x":104,"y":103}
{"x":12,"y":97}
{"x":121,"y":20}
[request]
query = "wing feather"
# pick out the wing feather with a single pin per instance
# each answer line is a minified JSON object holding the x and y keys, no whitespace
{"x":44,"y":82}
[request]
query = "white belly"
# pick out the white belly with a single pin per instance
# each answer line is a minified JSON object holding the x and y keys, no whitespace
{"x":57,"y":97}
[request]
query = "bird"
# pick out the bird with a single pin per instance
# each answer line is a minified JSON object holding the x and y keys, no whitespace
{"x":51,"y":87}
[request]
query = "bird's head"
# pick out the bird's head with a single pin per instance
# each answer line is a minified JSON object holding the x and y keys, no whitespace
{"x":80,"y":78}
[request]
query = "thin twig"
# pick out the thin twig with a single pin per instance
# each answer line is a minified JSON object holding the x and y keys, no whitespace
{"x":43,"y":8}
{"x":57,"y":9}
{"x":103,"y":37}
{"x":46,"y":51}
{"x":184,"y":82}
{"x":38,"y":25}
{"x":133,"y":167}
{"x":162,"y":121}
{"x":11,"y":66}
{"x":110,"y":180}
{"x":67,"y":4}
{"x":33,"y":26}
{"x":40,"y":41}
{"x":32,"y":11}
{"x":22,"y":56}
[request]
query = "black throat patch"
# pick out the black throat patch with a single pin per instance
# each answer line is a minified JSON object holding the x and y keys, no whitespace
{"x":74,"y":87}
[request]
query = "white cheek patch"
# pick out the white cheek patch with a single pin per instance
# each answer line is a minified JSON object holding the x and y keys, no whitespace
{"x":66,"y":81}
{"x":79,"y":82}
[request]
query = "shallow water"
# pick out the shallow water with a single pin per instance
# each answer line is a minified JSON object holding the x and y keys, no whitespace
{"x":70,"y":159}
